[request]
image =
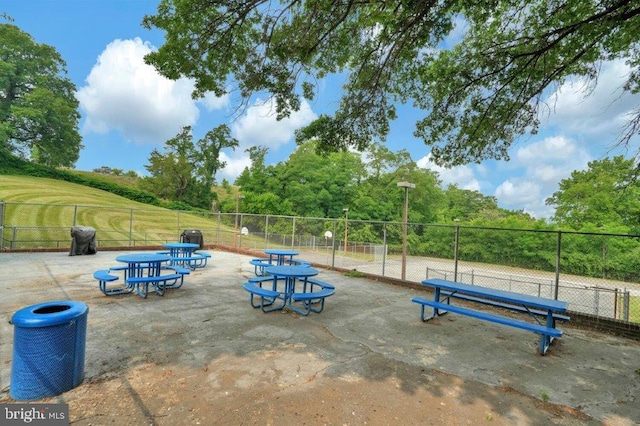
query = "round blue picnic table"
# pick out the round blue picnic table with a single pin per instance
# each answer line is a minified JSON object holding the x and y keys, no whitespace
{"x":290,"y":274}
{"x":280,"y":255}
{"x":181,"y":249}
{"x":139,"y":263}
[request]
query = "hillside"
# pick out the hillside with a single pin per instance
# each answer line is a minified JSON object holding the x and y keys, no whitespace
{"x":40,"y":211}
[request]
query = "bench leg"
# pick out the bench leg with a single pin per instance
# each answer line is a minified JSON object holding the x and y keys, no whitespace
{"x":114,"y":291}
{"x":265,"y":303}
{"x":304,"y":312}
{"x":177,"y":283}
{"x":435,"y":312}
{"x":309,"y":306}
{"x":142,"y":289}
{"x":159,"y":287}
{"x":545,"y":341}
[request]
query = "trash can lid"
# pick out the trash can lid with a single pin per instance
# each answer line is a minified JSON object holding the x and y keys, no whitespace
{"x":49,"y":313}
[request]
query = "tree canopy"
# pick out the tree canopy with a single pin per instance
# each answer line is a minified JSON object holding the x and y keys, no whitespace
{"x":38,"y":109}
{"x":605,"y":196}
{"x":186,"y":170}
{"x":477,"y":96}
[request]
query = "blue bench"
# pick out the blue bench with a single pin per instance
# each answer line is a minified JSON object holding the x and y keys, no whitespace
{"x":103,"y":276}
{"x":195,"y":260}
{"x":178,"y":270}
{"x":534,"y":306}
{"x":259,"y":265}
{"x":159,"y":283}
{"x":312,"y":300}
{"x":266,"y":297}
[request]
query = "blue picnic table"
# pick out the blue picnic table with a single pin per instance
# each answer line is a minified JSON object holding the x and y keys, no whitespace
{"x":280,"y":256}
{"x":549,"y":310}
{"x":144,"y":269}
{"x":185,"y":255}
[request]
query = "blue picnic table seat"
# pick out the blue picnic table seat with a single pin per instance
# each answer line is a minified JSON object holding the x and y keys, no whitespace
{"x":193,"y":261}
{"x":139,"y":284}
{"x":259,"y":265}
{"x":104,"y":277}
{"x":312,"y":300}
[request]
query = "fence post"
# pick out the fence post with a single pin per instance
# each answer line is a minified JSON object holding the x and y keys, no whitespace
{"x":75,"y":214}
{"x":178,"y":226}
{"x":558,"y":252}
{"x":218,"y":229}
{"x":625,"y":305}
{"x":293,"y":233}
{"x":333,"y":239}
{"x":130,"y":227}
{"x":3,"y":206}
{"x":455,"y":253}
{"x":384,"y":247}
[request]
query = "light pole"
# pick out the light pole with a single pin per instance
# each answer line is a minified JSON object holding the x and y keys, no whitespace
{"x":235,"y":231}
{"x":405,"y":218}
{"x":346,"y":229}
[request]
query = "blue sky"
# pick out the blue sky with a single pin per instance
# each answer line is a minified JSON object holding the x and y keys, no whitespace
{"x":128,"y":109}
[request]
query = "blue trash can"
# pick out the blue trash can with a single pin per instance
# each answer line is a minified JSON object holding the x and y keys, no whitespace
{"x":48,"y":349}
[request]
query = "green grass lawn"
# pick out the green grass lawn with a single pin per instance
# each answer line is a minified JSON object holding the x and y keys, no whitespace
{"x":634,"y":308}
{"x":64,"y":204}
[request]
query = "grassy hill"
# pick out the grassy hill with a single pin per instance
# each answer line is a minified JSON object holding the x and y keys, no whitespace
{"x":53,"y":206}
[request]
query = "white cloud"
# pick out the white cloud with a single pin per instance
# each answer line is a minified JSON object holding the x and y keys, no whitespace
{"x":212,"y":102}
{"x":598,"y":114}
{"x":258,"y":126}
{"x":542,"y":166}
{"x":235,"y":166}
{"x":521,"y":192}
{"x":462,"y":176}
{"x":125,"y":94}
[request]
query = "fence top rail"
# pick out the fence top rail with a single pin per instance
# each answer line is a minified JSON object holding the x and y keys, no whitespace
{"x":351,"y":221}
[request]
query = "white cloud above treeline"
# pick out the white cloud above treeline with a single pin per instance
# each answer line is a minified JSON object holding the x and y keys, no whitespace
{"x":125,"y":94}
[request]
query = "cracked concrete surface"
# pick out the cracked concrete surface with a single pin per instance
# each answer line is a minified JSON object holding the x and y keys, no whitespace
{"x":202,"y":355}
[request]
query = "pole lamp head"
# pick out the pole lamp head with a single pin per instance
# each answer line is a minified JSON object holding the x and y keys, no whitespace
{"x":407,"y":185}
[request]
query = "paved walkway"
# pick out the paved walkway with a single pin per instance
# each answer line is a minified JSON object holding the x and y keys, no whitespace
{"x":201,"y":354}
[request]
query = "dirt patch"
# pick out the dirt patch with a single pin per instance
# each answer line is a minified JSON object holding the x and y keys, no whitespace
{"x":295,"y":388}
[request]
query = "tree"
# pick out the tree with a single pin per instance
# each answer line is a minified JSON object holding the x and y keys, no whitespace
{"x":171,"y":173}
{"x":38,"y":110}
{"x":254,"y":178}
{"x":208,"y":154}
{"x":477,"y":96}
{"x":604,"y":195}
{"x":186,"y":172}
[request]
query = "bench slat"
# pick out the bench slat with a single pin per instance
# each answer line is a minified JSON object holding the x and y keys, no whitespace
{"x":104,"y":275}
{"x":502,"y":305}
{"x":537,"y":328}
{"x":313,"y":295}
{"x":161,"y":278}
{"x":507,"y":296}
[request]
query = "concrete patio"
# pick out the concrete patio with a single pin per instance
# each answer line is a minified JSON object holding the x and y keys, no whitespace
{"x":202,"y":355}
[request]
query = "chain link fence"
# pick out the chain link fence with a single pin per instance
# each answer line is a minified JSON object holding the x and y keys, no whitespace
{"x":597,"y":274}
